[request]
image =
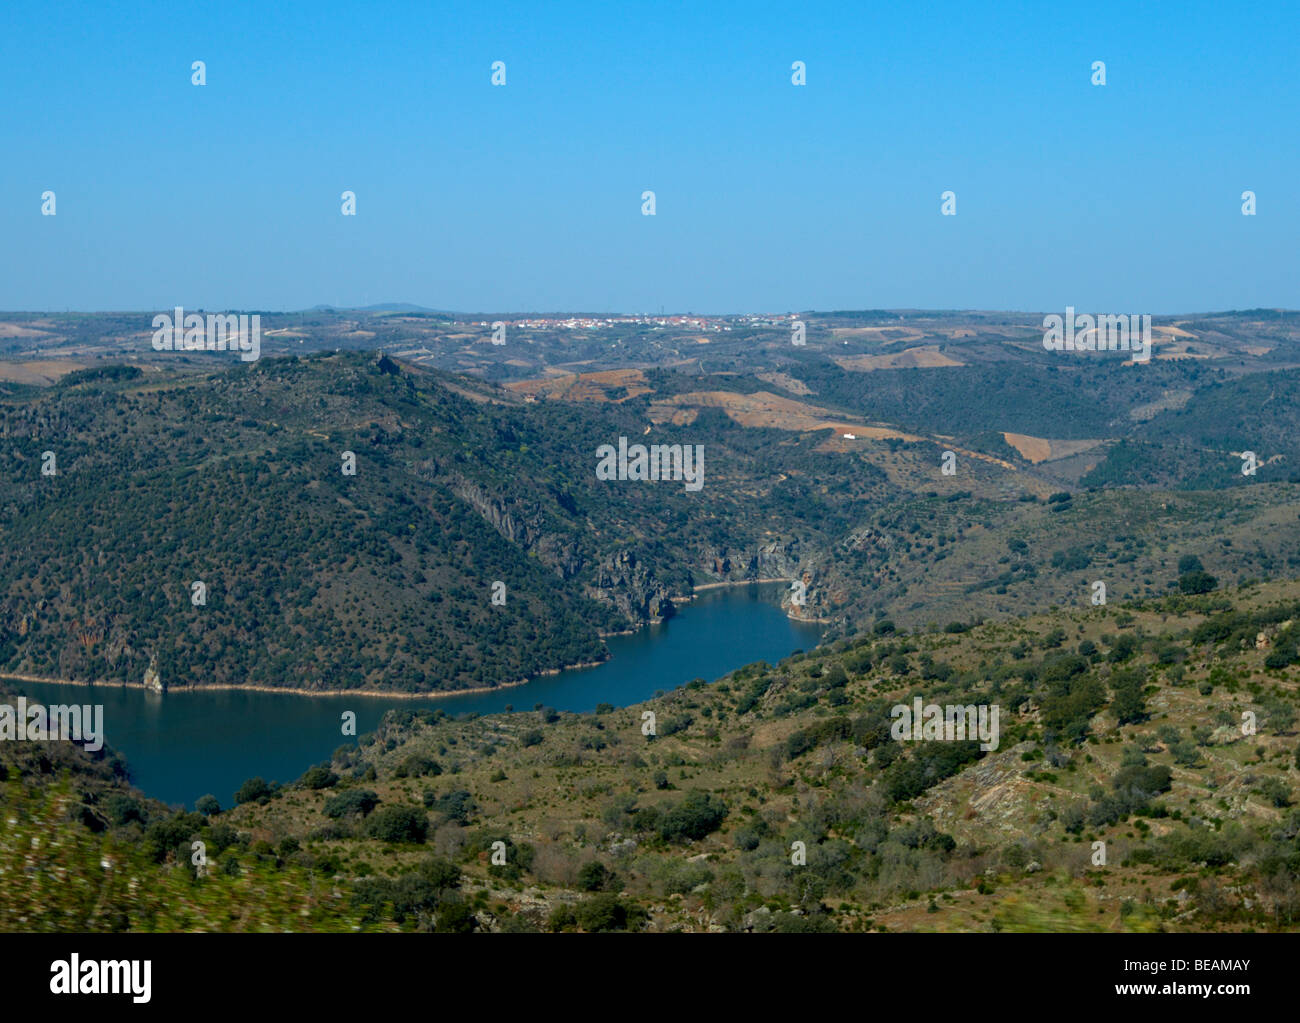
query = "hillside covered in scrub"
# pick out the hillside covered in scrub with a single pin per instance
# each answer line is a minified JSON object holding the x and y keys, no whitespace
{"x":1161,"y":734}
{"x":352,"y":522}
{"x":383,"y":579}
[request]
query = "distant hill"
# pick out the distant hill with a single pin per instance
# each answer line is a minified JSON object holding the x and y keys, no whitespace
{"x":384,"y":580}
{"x":378,"y":307}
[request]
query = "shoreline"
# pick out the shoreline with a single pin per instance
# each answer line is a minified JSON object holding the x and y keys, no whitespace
{"x":741,"y":582}
{"x":755,"y":582}
{"x":436,"y":694}
{"x":686,"y":598}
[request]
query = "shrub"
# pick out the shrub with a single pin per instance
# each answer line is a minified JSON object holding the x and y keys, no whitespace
{"x":319,"y":778}
{"x":358,"y":802}
{"x":207,"y":805}
{"x":1198,"y":581}
{"x":398,"y":824}
{"x":606,"y":912}
{"x":1276,"y":791}
{"x":255,"y":790}
{"x":594,"y":877}
{"x":458,"y":806}
{"x":696,"y":816}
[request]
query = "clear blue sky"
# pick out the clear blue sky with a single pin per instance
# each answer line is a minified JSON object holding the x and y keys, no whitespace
{"x":770,"y":197}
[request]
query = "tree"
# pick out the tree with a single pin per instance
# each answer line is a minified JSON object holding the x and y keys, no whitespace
{"x":1189,"y":563}
{"x":122,"y":809}
{"x":207,"y":805}
{"x":696,"y":816}
{"x":319,"y":778}
{"x":458,"y":806}
{"x":455,"y":918}
{"x":1195,"y":582}
{"x":607,"y":912}
{"x":398,"y":824}
{"x":255,"y":790}
{"x":1128,"y":702}
{"x":352,"y":801}
{"x":594,"y":876}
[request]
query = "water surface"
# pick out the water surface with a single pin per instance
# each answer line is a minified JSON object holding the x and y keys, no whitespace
{"x":184,"y":744}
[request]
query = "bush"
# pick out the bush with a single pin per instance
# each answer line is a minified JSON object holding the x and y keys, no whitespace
{"x":1072,"y":818}
{"x":122,"y":809}
{"x":1128,"y":702}
{"x":421,"y":894}
{"x":594,"y":877}
{"x":207,"y":805}
{"x":416,"y":766}
{"x":695,"y":817}
{"x":607,"y":912}
{"x":1283,"y":655}
{"x":1197,"y":582}
{"x":745,"y":840}
{"x":358,"y":802}
{"x":1276,"y":791}
{"x":398,"y":824}
{"x":458,"y":806}
{"x":172,"y":836}
{"x":319,"y":778}
{"x":255,"y":790}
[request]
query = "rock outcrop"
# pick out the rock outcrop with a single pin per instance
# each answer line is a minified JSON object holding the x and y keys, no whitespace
{"x":623,"y":580}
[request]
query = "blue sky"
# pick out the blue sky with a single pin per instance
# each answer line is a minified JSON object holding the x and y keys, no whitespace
{"x":770,"y":197}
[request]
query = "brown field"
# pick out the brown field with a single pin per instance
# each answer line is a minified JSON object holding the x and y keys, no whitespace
{"x":838,"y":442}
{"x":1034,"y":449}
{"x":584,"y":386}
{"x":786,"y":382}
{"x":771,"y":411}
{"x":926,"y":357}
{"x":14,"y":330}
{"x":877,"y":333}
{"x":37,"y":371}
{"x":761,"y":409}
{"x":1041,"y":449}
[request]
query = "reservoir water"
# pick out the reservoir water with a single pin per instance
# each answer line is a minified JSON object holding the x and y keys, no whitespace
{"x":184,"y":744}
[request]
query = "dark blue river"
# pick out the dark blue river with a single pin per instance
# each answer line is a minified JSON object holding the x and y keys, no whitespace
{"x":184,"y":744}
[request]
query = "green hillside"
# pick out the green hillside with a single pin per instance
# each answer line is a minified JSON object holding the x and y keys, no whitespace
{"x":1165,"y":730}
